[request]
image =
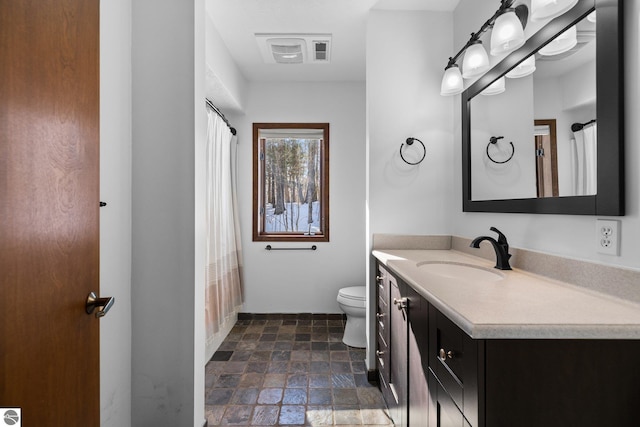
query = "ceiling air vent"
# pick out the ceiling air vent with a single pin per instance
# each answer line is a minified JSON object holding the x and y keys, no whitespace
{"x":289,"y":51}
{"x":294,"y":48}
{"x":320,"y":51}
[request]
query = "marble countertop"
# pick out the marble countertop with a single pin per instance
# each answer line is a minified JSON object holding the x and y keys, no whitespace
{"x":515,"y":304}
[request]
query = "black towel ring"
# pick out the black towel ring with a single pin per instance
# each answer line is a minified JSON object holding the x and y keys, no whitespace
{"x":494,"y":140}
{"x":410,"y":141}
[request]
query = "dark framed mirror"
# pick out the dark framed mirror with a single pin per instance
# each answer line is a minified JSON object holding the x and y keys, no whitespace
{"x":503,"y":137}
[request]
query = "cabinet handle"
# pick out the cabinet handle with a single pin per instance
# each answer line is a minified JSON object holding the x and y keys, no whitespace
{"x":379,"y":315}
{"x":400,"y":303}
{"x":379,"y":353}
{"x":379,"y":278}
{"x":444,"y":355}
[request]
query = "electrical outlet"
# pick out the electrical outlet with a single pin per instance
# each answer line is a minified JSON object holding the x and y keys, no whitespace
{"x":608,"y":236}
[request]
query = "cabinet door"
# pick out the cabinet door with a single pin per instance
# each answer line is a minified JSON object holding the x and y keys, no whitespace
{"x":418,"y":366}
{"x":443,"y":411}
{"x":399,"y":355}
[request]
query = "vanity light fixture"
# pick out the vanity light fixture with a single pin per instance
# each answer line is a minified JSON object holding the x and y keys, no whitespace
{"x":508,"y":36}
{"x":476,"y":60}
{"x":452,"y":80}
{"x":561,"y":44}
{"x":523,"y":69}
{"x":548,"y":9}
{"x":494,"y":88}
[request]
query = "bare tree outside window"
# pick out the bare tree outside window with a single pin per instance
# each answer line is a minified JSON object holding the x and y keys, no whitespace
{"x":291,"y":184}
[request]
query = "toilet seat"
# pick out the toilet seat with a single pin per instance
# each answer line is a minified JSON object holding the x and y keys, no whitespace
{"x":354,"y":296}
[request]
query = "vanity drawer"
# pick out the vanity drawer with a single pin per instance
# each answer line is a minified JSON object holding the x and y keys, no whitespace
{"x":452,"y":359}
{"x":382,"y":282}
{"x":382,"y":359}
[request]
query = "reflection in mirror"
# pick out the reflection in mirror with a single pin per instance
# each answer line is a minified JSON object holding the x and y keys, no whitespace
{"x":547,"y":111}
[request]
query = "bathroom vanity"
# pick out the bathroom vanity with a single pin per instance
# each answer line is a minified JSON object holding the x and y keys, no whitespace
{"x":460,"y":343}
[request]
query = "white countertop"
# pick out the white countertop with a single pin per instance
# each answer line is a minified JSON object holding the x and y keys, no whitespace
{"x":518,"y":304}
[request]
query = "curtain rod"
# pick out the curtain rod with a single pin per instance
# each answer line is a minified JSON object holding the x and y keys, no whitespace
{"x":219,"y":113}
{"x":578,"y":126}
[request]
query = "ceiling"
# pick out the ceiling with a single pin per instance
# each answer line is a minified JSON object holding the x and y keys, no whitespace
{"x":238,"y":20}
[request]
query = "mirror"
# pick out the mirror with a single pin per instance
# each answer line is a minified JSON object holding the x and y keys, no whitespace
{"x":551,"y":141}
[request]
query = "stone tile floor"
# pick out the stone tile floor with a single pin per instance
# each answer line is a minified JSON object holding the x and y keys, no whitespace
{"x":275,"y":370}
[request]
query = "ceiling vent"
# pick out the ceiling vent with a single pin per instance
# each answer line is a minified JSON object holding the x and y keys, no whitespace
{"x":295,"y":48}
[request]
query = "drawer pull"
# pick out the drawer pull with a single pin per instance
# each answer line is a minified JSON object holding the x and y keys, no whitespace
{"x":400,"y":303}
{"x":444,"y":355}
{"x":379,"y":278}
{"x":379,"y":315}
{"x":379,"y":353}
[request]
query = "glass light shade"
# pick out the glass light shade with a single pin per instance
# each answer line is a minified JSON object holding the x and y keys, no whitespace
{"x":451,"y":81}
{"x":476,"y":60}
{"x":494,"y":88}
{"x":592,"y":16}
{"x":507,"y":34}
{"x":548,"y":9}
{"x":526,"y":67}
{"x":564,"y":42}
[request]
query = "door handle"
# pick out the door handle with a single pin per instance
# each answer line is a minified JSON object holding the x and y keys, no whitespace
{"x":102,"y":304}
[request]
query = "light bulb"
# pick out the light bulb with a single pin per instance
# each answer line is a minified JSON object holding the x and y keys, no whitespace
{"x":494,"y":88}
{"x":507,"y":34}
{"x":523,"y":69}
{"x":476,"y":60}
{"x":561,"y":44}
{"x":451,"y":81}
{"x":548,"y":9}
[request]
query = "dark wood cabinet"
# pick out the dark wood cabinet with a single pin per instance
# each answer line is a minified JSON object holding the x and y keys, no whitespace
{"x":399,"y":380}
{"x":383,"y":334}
{"x":403,"y":314}
{"x":433,"y":374}
{"x":418,"y":401}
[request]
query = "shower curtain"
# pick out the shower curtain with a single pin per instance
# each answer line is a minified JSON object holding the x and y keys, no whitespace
{"x":223,"y":288}
{"x":585,"y":160}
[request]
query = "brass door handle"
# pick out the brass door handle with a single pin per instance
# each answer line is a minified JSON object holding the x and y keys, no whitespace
{"x":400,"y":303}
{"x":444,"y":355}
{"x":102,"y":304}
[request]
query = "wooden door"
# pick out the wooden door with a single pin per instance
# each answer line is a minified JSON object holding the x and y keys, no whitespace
{"x":49,"y":202}
{"x":546,"y":159}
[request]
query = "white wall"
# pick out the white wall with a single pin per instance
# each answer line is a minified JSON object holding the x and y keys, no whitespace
{"x":566,"y":235}
{"x":225,"y":84}
{"x":115,"y":218}
{"x":168,"y":63}
{"x":406,"y":55}
{"x":307,"y":281}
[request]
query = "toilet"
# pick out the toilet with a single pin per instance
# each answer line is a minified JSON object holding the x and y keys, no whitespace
{"x":352,"y":301}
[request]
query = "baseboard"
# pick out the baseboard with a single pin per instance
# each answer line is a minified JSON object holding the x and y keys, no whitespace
{"x":372,"y":376}
{"x":292,"y":316}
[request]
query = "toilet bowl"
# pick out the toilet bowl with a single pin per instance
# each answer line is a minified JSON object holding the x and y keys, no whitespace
{"x":352,"y":301}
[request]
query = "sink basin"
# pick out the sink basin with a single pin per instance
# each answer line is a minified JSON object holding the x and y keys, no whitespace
{"x":458,"y":270}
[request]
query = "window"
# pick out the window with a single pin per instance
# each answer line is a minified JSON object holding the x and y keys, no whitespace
{"x":291,"y":182}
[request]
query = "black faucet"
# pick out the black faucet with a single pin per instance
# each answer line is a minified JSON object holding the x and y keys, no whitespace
{"x":501,"y":246}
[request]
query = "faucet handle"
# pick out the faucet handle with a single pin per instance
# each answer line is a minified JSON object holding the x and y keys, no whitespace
{"x":502,"y":239}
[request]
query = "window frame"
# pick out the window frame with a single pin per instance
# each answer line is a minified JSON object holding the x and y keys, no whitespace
{"x":259,"y":235}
